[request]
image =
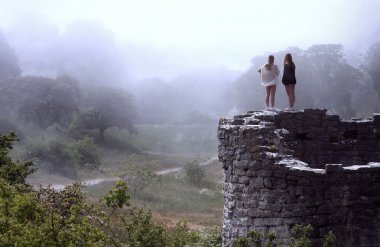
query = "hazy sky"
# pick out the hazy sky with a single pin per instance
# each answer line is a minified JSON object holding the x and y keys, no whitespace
{"x":224,"y":31}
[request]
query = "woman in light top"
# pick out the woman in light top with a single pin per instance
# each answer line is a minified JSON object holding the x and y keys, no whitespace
{"x":289,"y":80}
{"x":269,"y":78}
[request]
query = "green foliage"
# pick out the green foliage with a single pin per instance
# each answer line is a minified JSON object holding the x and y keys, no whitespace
{"x":329,"y":240}
{"x":210,"y":237}
{"x":138,"y":178}
{"x":195,"y":174}
{"x":84,"y":153}
{"x":142,"y":231}
{"x":300,"y":236}
{"x":62,"y":155}
{"x":47,"y":217}
{"x":182,"y":236}
{"x":258,"y":239}
{"x":118,"y":196}
{"x":241,"y":242}
{"x":12,"y":172}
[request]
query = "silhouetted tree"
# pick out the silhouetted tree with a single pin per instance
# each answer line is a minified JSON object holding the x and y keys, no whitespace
{"x":42,"y":101}
{"x":107,"y":107}
{"x":372,"y":65}
{"x":9,"y":67}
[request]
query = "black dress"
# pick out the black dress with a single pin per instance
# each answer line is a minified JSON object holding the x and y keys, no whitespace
{"x":289,"y":76}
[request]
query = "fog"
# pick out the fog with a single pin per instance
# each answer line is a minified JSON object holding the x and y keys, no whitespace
{"x":173,"y":36}
{"x":170,"y":69}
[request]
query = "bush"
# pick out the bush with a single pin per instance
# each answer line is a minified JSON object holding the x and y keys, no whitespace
{"x":60,"y":155}
{"x":138,"y":178}
{"x":300,"y":237}
{"x":84,"y":153}
{"x":258,"y":239}
{"x":142,"y":231}
{"x":47,"y":217}
{"x":12,"y":172}
{"x":194,"y":173}
{"x":211,"y":237}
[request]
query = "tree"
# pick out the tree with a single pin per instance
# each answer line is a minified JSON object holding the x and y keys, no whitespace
{"x":107,"y":107}
{"x":194,"y":173}
{"x":12,"y":172}
{"x":9,"y":67}
{"x":42,"y":101}
{"x":373,"y":65}
{"x":324,"y":79}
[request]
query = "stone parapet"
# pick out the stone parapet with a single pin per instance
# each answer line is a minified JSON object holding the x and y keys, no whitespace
{"x":304,"y":167}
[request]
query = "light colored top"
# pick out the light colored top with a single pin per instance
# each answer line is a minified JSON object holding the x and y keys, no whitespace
{"x":269,"y":77}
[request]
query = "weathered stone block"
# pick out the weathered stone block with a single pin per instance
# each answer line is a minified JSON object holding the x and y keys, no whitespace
{"x":275,"y":175}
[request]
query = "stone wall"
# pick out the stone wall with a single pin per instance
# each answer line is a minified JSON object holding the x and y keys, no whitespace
{"x":305,"y":167}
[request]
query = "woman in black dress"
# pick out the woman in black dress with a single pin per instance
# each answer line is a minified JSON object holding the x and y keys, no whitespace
{"x":289,"y":80}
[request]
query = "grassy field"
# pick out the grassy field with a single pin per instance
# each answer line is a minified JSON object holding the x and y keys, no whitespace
{"x":172,"y":198}
{"x":156,"y":148}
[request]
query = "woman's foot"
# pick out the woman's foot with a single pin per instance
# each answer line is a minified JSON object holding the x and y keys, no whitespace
{"x":289,"y":109}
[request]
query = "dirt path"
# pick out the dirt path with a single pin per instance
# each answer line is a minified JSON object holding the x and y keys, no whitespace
{"x":95,"y":181}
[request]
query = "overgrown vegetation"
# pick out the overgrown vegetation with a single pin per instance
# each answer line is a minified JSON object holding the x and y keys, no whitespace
{"x":194,"y":173}
{"x":47,"y":217}
{"x":300,"y":237}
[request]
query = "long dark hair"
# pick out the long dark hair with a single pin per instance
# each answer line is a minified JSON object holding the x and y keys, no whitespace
{"x":270,"y":58}
{"x":289,"y":60}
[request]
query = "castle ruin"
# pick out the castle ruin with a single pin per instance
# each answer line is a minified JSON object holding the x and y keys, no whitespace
{"x":304,"y":167}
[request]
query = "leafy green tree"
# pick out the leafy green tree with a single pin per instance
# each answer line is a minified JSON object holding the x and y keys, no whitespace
{"x":42,"y":217}
{"x":12,"y":172}
{"x":107,"y":108}
{"x":118,"y":196}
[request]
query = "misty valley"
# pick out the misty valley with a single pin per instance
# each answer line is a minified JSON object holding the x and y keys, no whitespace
{"x":78,"y":106}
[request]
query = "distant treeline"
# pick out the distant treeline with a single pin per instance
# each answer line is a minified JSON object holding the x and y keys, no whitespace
{"x":325,"y":79}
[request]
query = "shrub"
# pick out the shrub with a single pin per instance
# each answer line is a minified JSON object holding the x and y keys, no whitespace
{"x":300,"y":237}
{"x":142,"y":231}
{"x":138,"y":178}
{"x":181,"y":236}
{"x":12,"y":172}
{"x":258,"y":239}
{"x":84,"y":153}
{"x":194,"y":173}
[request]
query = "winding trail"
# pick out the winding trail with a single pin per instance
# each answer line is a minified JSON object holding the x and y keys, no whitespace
{"x":95,"y":181}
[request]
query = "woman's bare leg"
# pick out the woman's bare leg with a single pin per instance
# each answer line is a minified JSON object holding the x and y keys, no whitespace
{"x":272,"y":94}
{"x":289,"y":93}
{"x":267,"y":97}
{"x":293,"y":90}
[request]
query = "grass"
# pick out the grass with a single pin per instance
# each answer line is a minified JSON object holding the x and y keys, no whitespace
{"x":156,"y":147}
{"x":171,"y":198}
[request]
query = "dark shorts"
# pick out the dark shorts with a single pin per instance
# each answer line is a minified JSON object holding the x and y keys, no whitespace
{"x":289,"y":83}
